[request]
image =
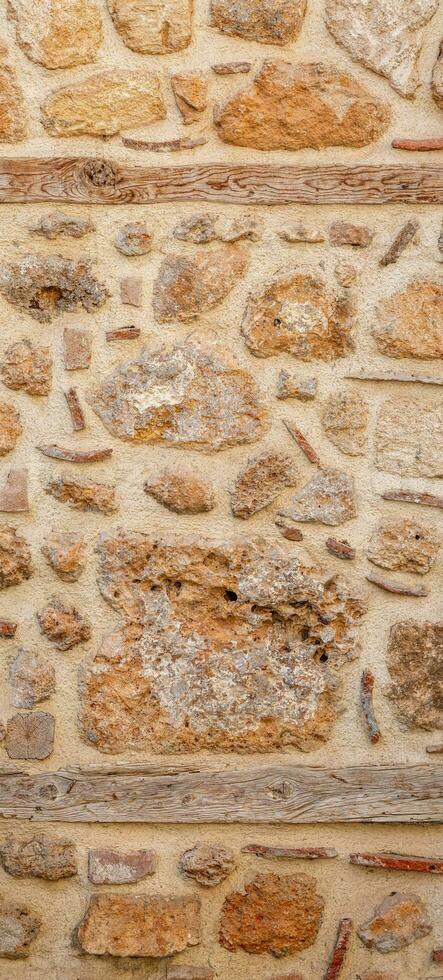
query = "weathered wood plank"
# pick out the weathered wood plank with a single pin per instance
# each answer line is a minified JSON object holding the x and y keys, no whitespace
{"x":284,"y":794}
{"x":96,"y":181}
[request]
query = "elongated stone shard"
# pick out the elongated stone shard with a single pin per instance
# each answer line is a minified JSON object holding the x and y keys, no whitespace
{"x":204,"y":612}
{"x":292,"y":107}
{"x":104,"y":104}
{"x":181,"y":396}
{"x":139,"y":925}
{"x":260,"y":481}
{"x":437,"y":79}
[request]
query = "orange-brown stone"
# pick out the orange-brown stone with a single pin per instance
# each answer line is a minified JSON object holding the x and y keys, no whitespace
{"x":139,"y":925}
{"x":279,"y":914}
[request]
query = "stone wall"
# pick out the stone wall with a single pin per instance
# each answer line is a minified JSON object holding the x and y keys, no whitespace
{"x":221,"y":441}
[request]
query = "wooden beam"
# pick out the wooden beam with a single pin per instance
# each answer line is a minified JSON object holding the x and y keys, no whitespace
{"x":93,"y":180}
{"x":284,"y":794}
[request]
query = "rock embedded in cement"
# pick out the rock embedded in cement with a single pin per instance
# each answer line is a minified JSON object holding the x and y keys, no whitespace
{"x":296,"y":231}
{"x":182,"y":396}
{"x":292,"y":107}
{"x":278,"y":914}
{"x":191,"y":94}
{"x":65,"y":551}
{"x":39,"y":857}
{"x":46,"y":285}
{"x":83,"y":494}
{"x":77,"y":349}
{"x":414,"y":657}
{"x":190,"y":973}
{"x":345,"y":419}
{"x":104,"y":104}
{"x":409,"y":438}
{"x":297,"y":314}
{"x":58,"y":224}
{"x":13,"y":115}
{"x":139,"y":925}
{"x":181,"y":491}
{"x":19,"y":927}
{"x":410,"y":322}
{"x":437,"y":79}
{"x":26,"y":367}
{"x":404,"y":545}
{"x":382,"y":35}
{"x":260,"y":482}
{"x":14,"y":492}
{"x":207,"y":864}
{"x":15,"y":557}
{"x":188,"y":286}
{"x":153,"y":26}
{"x":198,"y":229}
{"x":56,"y":33}
{"x":63,"y":624}
{"x":397,"y":922}
{"x":32,"y":680}
{"x":272,"y":22}
{"x":290,"y":386}
{"x":195,"y":614}
{"x":328,"y":499}
{"x":30,"y":736}
{"x":133,"y":239}
{"x":107,"y":867}
{"x":374,"y":974}
{"x":345,"y":233}
{"x":244,"y":228}
{"x":10,"y":427}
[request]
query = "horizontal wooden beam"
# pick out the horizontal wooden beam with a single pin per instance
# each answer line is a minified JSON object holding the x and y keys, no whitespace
{"x":93,"y":180}
{"x":284,"y":794}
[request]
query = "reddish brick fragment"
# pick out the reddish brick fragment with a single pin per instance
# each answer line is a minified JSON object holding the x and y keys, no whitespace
{"x":77,"y":351}
{"x":309,"y":853}
{"x":423,"y":145}
{"x":232,"y":68}
{"x":340,"y":949}
{"x":107,"y":867}
{"x":412,"y":497}
{"x":74,"y":455}
{"x":366,"y":694}
{"x":398,"y":588}
{"x":123,"y":333}
{"x":7,"y":628}
{"x":77,"y":416}
{"x":408,"y":233}
{"x":398,"y":862}
{"x":303,"y":443}
{"x":437,"y":954}
{"x":341,"y":549}
{"x":345,"y":233}
{"x":14,"y":492}
{"x":131,"y":291}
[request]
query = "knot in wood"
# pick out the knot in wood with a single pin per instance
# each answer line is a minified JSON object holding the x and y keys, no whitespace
{"x":282,"y":790}
{"x":100,"y":173}
{"x":48,"y":791}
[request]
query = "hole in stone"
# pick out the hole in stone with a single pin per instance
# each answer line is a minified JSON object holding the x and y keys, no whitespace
{"x":323,"y":658}
{"x":230,"y":596}
{"x":277,"y":322}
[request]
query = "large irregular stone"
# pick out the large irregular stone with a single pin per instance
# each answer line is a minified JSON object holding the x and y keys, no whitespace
{"x":207,"y":864}
{"x":26,"y":367}
{"x":61,"y":225}
{"x":345,"y":418}
{"x":153,"y":26}
{"x":181,"y":491}
{"x":414,"y":659}
{"x":437,"y":79}
{"x":10,"y":427}
{"x":139,"y":925}
{"x":65,"y":551}
{"x":82,"y":493}
{"x":269,"y":22}
{"x":291,"y":107}
{"x":297,"y":314}
{"x":39,"y":857}
{"x":229,"y":652}
{"x":30,"y":736}
{"x":32,"y":680}
{"x":328,"y":499}
{"x":57,"y":34}
{"x":410,"y":322}
{"x":182,"y":396}
{"x":279,"y":914}
{"x":46,"y":285}
{"x":18,"y":929}
{"x":404,"y":545}
{"x":188,"y":286}
{"x":398,"y":920}
{"x":383,"y":35}
{"x":15,"y":557}
{"x":13,"y":115}
{"x":261,"y":481}
{"x":104,"y":104}
{"x":63,"y":624}
{"x":106,"y":867}
{"x":409,"y":438}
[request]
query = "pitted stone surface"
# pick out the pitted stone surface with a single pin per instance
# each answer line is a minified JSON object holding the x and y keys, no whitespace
{"x":414,"y":658}
{"x":259,"y":482}
{"x":345,"y":418}
{"x":104,"y":104}
{"x":63,"y":624}
{"x":187,"y":286}
{"x":383,"y":35}
{"x":46,"y":285}
{"x":139,"y":925}
{"x":234,"y":648}
{"x":15,"y":557}
{"x":65,"y":551}
{"x":61,"y":225}
{"x":207,"y":864}
{"x":278,"y":914}
{"x":26,"y":367}
{"x":182,"y":396}
{"x":57,"y":34}
{"x":410,"y":322}
{"x":32,"y":680}
{"x":10,"y":428}
{"x":291,"y":107}
{"x":83,"y":494}
{"x":398,"y":920}
{"x":409,"y":438}
{"x":404,"y":545}
{"x":19,"y":927}
{"x":266,"y":21}
{"x":181,"y":491}
{"x":328,"y":498}
{"x":39,"y":857}
{"x":153,"y":26}
{"x":133,"y":239}
{"x":297,"y":314}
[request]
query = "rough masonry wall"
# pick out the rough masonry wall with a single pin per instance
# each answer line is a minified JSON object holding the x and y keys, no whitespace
{"x":221,"y":441}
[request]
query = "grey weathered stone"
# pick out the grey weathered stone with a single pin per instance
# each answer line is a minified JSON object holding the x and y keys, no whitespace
{"x":198,"y":229}
{"x":32,"y":679}
{"x":133,"y":239}
{"x":58,"y":224}
{"x":345,"y":418}
{"x":414,"y":658}
{"x":46,"y":285}
{"x":382,"y":35}
{"x":39,"y":856}
{"x":207,"y":864}
{"x":328,"y":499}
{"x":290,"y":386}
{"x":19,"y":927}
{"x":398,"y":920}
{"x":404,"y":545}
{"x":409,"y":437}
{"x":269,"y":22}
{"x":107,"y":867}
{"x":260,"y":482}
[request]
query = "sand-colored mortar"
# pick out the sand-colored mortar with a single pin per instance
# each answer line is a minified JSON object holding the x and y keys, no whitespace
{"x":347,"y":890}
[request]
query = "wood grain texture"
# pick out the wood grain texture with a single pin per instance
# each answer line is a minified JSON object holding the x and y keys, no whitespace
{"x":62,"y":180}
{"x":270,"y":794}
